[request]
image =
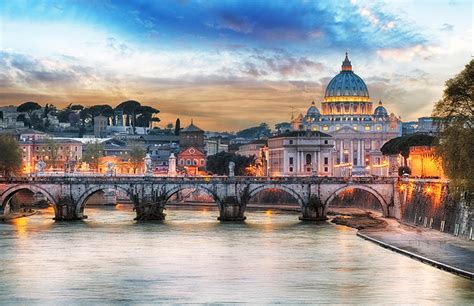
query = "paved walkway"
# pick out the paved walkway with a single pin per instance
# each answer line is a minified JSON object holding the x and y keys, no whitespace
{"x":432,"y":245}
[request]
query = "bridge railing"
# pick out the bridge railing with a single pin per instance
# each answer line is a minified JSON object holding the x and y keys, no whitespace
{"x":201,"y":179}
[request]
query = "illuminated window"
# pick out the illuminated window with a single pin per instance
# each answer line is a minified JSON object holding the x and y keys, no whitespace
{"x":355,"y":127}
{"x":337,"y":127}
{"x":325,"y":128}
{"x":315,"y":128}
{"x":367,"y":127}
{"x":378,"y":128}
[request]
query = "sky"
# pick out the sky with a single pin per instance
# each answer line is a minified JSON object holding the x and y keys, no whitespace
{"x":230,"y":64}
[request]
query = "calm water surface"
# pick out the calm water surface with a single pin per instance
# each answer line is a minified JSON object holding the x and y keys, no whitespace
{"x":192,"y":258}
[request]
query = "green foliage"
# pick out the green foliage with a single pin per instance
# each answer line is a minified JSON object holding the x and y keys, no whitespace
{"x":256,"y":132}
{"x":92,"y":152}
{"x":10,"y":156}
{"x":29,"y":108}
{"x":219,"y":163}
{"x":456,"y":143}
{"x":136,"y":154}
{"x":401,"y":145}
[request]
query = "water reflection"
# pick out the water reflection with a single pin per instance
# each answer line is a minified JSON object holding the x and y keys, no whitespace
{"x":192,"y":258}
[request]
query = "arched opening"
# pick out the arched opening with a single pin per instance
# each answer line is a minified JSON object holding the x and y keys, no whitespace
{"x":273,"y":198}
{"x":98,"y":203}
{"x":356,"y":200}
{"x":184,"y":201}
{"x":26,"y":201}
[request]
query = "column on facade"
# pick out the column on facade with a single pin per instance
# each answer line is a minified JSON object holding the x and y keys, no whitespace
{"x":319,"y":162}
{"x":351,"y":152}
{"x":362,"y":152}
{"x":302,"y":162}
{"x":341,"y":151}
{"x":358,"y":152}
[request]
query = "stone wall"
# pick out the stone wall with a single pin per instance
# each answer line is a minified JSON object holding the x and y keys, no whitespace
{"x":430,"y":204}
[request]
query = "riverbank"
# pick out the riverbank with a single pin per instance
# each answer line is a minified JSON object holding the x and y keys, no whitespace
{"x":440,"y":250}
{"x":18,"y":215}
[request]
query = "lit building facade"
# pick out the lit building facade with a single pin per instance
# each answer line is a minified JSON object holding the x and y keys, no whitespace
{"x":300,"y":153}
{"x":358,"y":131}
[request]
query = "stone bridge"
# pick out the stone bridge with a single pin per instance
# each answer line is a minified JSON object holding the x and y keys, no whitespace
{"x":69,"y":194}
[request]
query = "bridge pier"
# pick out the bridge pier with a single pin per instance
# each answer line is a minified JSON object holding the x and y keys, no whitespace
{"x":231,"y":210}
{"x":150,"y":211}
{"x":66,"y":210}
{"x":313,"y":210}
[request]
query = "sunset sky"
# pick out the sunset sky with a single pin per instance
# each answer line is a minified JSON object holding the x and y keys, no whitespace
{"x":230,"y":64}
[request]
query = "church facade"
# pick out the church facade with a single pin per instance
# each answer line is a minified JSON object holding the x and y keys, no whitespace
{"x":358,"y":131}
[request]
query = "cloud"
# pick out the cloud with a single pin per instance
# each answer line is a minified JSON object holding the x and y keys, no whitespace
{"x":446,"y":27}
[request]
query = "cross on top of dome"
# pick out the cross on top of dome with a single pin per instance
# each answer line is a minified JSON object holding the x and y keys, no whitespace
{"x":346,"y":64}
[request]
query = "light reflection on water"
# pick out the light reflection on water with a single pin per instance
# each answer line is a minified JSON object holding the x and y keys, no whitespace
{"x":192,"y":258}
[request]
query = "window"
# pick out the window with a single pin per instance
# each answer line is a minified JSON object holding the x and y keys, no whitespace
{"x":188,"y":162}
{"x":354,"y":162}
{"x":325,"y":128}
{"x":291,"y":169}
{"x":326,"y":142}
{"x":378,"y":128}
{"x":195,"y":162}
{"x":308,"y":159}
{"x":325,"y":169}
{"x":367,"y":127}
{"x":290,"y":142}
{"x":326,"y":160}
{"x":202,"y":162}
{"x":378,"y":160}
{"x":291,"y":160}
{"x":181,"y":161}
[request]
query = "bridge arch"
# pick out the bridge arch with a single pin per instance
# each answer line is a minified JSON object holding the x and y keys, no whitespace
{"x":374,"y":192}
{"x":81,"y":202}
{"x":178,"y":188}
{"x":10,"y":192}
{"x":284,"y":188}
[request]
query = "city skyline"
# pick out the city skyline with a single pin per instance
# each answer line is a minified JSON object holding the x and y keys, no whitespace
{"x":267,"y":58}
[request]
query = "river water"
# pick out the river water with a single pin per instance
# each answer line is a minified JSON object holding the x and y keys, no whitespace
{"x":192,"y":258}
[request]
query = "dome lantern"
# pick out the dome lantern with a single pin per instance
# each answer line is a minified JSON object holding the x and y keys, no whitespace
{"x":346,"y":64}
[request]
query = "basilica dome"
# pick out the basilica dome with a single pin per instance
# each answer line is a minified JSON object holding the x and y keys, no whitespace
{"x":380,"y":110}
{"x":347,"y":83}
{"x":313,"y":111}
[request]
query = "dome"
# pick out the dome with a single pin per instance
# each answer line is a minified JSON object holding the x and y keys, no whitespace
{"x":347,"y":83}
{"x":313,"y":111}
{"x":380,"y":110}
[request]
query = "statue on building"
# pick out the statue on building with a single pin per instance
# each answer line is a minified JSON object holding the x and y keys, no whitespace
{"x":41,"y":166}
{"x":231,"y":169}
{"x":148,"y":165}
{"x":110,"y":168}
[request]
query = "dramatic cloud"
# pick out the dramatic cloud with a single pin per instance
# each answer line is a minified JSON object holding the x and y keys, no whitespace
{"x":228,"y":64}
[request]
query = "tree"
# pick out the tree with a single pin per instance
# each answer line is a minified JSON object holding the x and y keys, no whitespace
{"x":28,"y":108}
{"x":401,"y":145}
{"x":92,"y":153}
{"x":146,"y":115}
{"x":10,"y":156}
{"x":219,"y":163}
{"x":137,"y":154}
{"x":129,"y":108}
{"x":456,"y":141}
{"x":256,"y":132}
{"x":177,"y":127}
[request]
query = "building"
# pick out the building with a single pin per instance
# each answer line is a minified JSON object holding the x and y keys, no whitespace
{"x":58,"y":154}
{"x":215,"y":145}
{"x":192,"y":161}
{"x":9,"y":118}
{"x":300,"y":153}
{"x":100,"y":126}
{"x":424,"y":163}
{"x":259,"y":149}
{"x":358,"y":131}
{"x":191,"y":136}
{"x":424,"y":125}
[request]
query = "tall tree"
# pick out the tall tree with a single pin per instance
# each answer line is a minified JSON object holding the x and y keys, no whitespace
{"x":92,"y":153}
{"x":28,"y":108}
{"x":10,"y":155}
{"x":136,"y":154}
{"x":145,"y":114}
{"x":177,"y":127}
{"x":456,"y":114}
{"x":129,"y":108}
{"x":219,"y":163}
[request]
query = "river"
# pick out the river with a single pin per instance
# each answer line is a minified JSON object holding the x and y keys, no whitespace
{"x":193,"y":258}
